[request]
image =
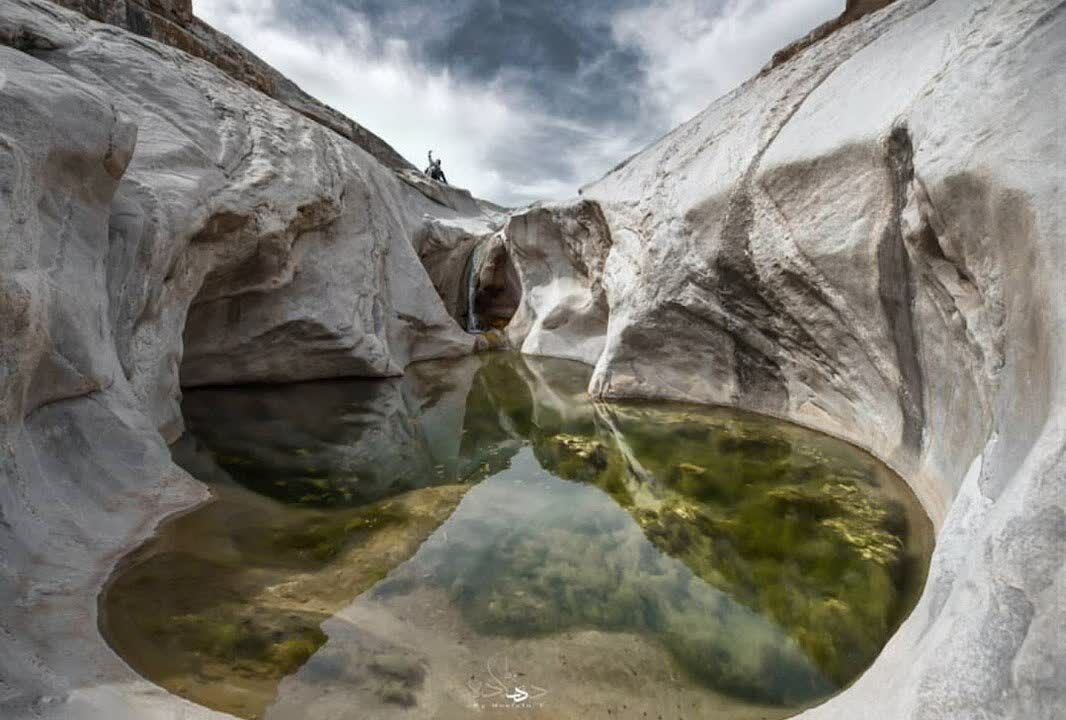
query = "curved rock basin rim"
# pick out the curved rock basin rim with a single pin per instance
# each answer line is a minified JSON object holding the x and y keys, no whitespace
{"x":483,"y":514}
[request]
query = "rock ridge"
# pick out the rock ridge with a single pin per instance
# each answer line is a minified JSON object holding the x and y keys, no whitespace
{"x":172,"y":22}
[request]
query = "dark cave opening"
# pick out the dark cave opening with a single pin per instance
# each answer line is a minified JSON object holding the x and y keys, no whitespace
{"x":494,"y":289}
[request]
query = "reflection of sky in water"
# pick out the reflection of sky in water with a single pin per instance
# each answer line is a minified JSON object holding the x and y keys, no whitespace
{"x":758,"y":559}
{"x":527,"y":553}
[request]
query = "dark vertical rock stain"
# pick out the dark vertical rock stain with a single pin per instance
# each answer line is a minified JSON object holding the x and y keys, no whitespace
{"x":138,"y":21}
{"x":759,"y":380}
{"x":897,"y":291}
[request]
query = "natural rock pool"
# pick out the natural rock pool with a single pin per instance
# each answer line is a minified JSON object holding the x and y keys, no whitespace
{"x":479,"y":538}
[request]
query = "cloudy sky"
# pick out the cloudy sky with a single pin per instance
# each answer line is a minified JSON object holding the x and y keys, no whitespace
{"x":523,"y":99}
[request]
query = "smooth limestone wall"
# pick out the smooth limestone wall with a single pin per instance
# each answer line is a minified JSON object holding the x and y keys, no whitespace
{"x":868,"y":240}
{"x":865,"y":239}
{"x":162,"y":224}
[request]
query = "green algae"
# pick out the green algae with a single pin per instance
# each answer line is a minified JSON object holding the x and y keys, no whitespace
{"x":271,"y":646}
{"x":194,"y":624}
{"x":231,"y":598}
{"x":322,"y":538}
{"x":792,"y":528}
{"x":770,"y":562}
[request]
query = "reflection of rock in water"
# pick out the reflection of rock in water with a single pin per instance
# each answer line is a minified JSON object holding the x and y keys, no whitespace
{"x":805,"y":530}
{"x":530,"y":555}
{"x":763,"y":561}
{"x":230,"y":598}
{"x":338,"y":443}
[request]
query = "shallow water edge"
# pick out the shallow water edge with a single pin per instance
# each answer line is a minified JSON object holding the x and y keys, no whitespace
{"x":385,"y":469}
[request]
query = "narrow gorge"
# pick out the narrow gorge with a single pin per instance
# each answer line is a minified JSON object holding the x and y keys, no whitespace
{"x":856,"y":257}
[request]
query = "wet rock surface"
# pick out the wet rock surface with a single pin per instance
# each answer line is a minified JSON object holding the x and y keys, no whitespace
{"x":233,"y":597}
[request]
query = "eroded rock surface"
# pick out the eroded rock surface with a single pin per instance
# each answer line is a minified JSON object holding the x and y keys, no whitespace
{"x":447,"y":249}
{"x":264,"y":236}
{"x":867,"y":239}
{"x":161,"y":224}
{"x":172,"y":22}
{"x":559,"y":253}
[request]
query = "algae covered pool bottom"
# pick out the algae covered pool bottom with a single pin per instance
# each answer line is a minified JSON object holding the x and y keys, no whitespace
{"x":479,"y":539}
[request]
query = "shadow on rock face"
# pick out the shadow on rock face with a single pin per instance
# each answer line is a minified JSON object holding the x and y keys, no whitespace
{"x":495,"y":289}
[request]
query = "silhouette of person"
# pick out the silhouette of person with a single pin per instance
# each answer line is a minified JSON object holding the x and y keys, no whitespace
{"x":434,"y":170}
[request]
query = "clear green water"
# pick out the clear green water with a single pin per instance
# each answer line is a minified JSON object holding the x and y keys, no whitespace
{"x":479,"y":538}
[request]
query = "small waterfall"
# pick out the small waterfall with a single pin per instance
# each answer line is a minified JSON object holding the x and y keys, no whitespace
{"x":473,"y":270}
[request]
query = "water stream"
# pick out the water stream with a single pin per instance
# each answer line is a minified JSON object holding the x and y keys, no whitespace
{"x":473,"y":270}
{"x":479,"y":539}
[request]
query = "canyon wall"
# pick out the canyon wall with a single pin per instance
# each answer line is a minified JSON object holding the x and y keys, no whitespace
{"x":172,"y":22}
{"x":868,"y":239}
{"x":162,"y":224}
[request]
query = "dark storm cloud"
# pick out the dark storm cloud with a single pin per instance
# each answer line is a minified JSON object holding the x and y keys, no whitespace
{"x":564,"y":52}
{"x":570,"y":87}
{"x":561,"y":52}
{"x":560,"y":56}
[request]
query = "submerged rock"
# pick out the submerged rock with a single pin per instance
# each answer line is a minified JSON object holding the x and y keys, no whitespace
{"x":231,"y":598}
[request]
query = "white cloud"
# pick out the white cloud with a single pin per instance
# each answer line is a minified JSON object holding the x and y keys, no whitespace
{"x":413,"y":108}
{"x":696,"y":57}
{"x":484,"y":131}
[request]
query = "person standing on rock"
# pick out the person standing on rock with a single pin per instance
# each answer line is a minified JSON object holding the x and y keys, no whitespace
{"x":434,"y":170}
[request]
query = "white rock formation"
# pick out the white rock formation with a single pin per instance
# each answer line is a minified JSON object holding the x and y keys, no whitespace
{"x":158,"y":219}
{"x":285,"y":247}
{"x":869,"y":239}
{"x":558,"y":253}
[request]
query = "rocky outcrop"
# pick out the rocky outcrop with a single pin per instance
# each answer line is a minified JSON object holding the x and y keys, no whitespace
{"x":281,"y":249}
{"x":162,"y":224}
{"x":172,"y":22}
{"x":446,"y":250}
{"x":854,"y":10}
{"x":559,"y":252}
{"x":867,"y":240}
{"x":471,"y":267}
